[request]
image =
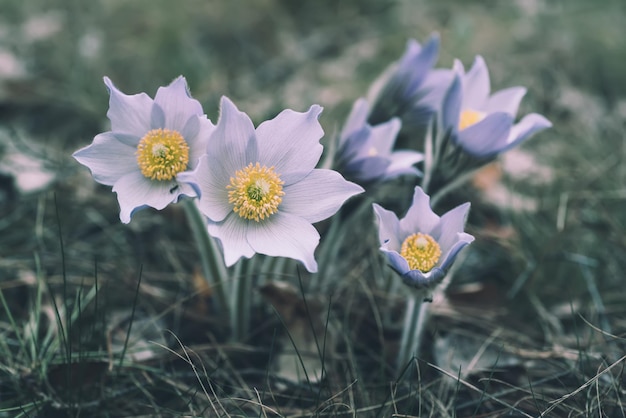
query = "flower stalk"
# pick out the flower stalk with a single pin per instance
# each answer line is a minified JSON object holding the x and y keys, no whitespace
{"x":213,"y":267}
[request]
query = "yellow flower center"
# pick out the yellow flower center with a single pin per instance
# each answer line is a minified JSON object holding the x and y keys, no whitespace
{"x":421,"y":251}
{"x":255,"y":192}
{"x":470,"y":117}
{"x":162,"y":153}
{"x":372,"y":152}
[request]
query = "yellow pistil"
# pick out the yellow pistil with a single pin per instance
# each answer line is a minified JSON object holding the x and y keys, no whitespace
{"x":162,"y":153}
{"x":470,"y":117}
{"x":421,"y":251}
{"x":255,"y":192}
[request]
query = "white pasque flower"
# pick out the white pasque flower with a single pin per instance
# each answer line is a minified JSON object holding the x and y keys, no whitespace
{"x":260,"y":189}
{"x":150,"y":142}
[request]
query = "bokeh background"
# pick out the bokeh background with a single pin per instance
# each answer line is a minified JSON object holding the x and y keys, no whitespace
{"x":543,"y":283}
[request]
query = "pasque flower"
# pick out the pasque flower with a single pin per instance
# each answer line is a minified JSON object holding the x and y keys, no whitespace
{"x":365,"y":152}
{"x":260,"y":189}
{"x":482,"y":123}
{"x":409,"y":89}
{"x":422,"y":246}
{"x":149,"y":143}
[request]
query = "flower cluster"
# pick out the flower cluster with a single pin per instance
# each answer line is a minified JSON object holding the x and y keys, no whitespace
{"x":259,"y":189}
{"x":471,"y":127}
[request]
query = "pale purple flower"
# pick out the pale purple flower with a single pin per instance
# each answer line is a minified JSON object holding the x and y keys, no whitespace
{"x":365,"y":152}
{"x":481,"y":123}
{"x":422,"y":246}
{"x":259,"y":187}
{"x":409,"y":88}
{"x":149,"y":143}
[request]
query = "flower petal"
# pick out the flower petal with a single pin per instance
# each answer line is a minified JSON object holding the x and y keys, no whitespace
{"x":107,"y":158}
{"x":529,"y":125}
{"x":402,"y":163}
{"x":318,"y":196}
{"x":232,"y":234}
{"x":388,"y":229}
{"x":451,"y":107}
{"x":476,"y":85}
{"x":396,"y":261}
{"x":197,"y":133}
{"x":233,"y":140}
{"x":506,"y":100}
{"x":434,"y":87}
{"x":285,"y":235}
{"x":128,"y":113}
{"x":420,"y":280}
{"x":210,"y":178}
{"x":463,"y":239}
{"x":383,"y":136}
{"x":416,"y":63}
{"x":420,"y":217}
{"x":290,"y":143}
{"x":135,"y":191}
{"x":367,"y":169}
{"x":451,"y":224}
{"x":177,"y":104}
{"x":487,"y":137}
{"x":355,"y":121}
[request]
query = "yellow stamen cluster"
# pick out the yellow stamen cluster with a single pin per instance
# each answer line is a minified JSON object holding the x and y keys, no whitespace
{"x":162,"y":153}
{"x":421,"y":251}
{"x":255,"y":192}
{"x":470,"y":117}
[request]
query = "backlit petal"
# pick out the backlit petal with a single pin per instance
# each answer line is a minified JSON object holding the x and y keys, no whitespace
{"x":232,"y":234}
{"x":318,"y":196}
{"x":135,"y":191}
{"x":128,"y":113}
{"x":284,"y":235}
{"x":290,"y":143}
{"x":177,"y":104}
{"x":107,"y":158}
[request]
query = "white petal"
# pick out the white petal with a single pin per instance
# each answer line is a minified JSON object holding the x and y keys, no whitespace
{"x":177,"y":104}
{"x":233,"y":140}
{"x":389,"y":233}
{"x":420,"y":217}
{"x":128,"y":114}
{"x":506,"y":100}
{"x":290,"y":143}
{"x":476,"y":85}
{"x":198,"y":142}
{"x":524,"y":129}
{"x":211,"y":179}
{"x":107,"y":158}
{"x":402,"y":162}
{"x":232,"y":234}
{"x":284,"y":235}
{"x":135,"y":191}
{"x":318,"y":196}
{"x":452,"y":223}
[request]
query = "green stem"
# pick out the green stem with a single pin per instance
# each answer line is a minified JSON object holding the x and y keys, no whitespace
{"x":241,"y":300}
{"x":414,"y":320}
{"x":213,"y":266}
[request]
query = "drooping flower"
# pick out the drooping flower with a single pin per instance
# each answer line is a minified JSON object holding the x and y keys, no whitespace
{"x":409,"y":88}
{"x":260,"y":189}
{"x":482,"y":123}
{"x":422,"y":246}
{"x":365,"y":152}
{"x":150,"y":142}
